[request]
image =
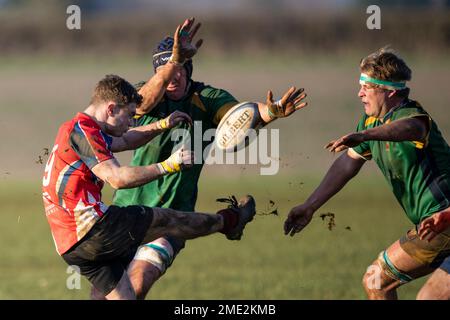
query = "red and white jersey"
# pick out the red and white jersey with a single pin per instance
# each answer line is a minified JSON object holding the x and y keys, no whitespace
{"x":71,"y":191}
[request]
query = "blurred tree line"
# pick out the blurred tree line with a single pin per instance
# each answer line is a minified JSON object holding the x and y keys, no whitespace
{"x":29,"y":27}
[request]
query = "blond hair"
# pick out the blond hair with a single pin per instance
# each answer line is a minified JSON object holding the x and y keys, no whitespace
{"x":385,"y":64}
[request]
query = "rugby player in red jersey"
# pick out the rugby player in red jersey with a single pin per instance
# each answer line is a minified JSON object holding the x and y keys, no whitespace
{"x":100,"y":240}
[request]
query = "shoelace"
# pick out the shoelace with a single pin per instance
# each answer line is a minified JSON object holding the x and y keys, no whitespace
{"x":233,"y":203}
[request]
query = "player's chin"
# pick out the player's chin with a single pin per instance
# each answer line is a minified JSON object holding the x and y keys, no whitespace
{"x":175,"y":92}
{"x":367,"y":110}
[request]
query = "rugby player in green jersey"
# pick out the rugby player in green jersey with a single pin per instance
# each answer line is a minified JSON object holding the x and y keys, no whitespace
{"x":206,"y":106}
{"x":399,"y":135}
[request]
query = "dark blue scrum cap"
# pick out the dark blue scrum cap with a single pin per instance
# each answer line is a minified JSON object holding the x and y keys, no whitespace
{"x":163,"y":52}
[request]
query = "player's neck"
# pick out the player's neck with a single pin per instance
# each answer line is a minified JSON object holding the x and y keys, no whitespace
{"x":96,"y":113}
{"x":390,"y":105}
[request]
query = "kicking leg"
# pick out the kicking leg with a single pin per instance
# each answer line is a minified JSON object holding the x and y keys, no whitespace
{"x":152,"y":259}
{"x":182,"y":224}
{"x":185,"y":225}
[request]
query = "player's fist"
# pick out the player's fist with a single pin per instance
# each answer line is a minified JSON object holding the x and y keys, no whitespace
{"x":179,"y":160}
{"x":173,"y":120}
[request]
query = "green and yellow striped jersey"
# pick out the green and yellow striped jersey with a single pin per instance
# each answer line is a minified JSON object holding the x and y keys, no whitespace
{"x":417,"y":171}
{"x":205,"y":105}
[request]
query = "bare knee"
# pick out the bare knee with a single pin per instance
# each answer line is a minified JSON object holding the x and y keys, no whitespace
{"x":378,"y":284}
{"x":373,"y":279}
{"x":142,"y":276}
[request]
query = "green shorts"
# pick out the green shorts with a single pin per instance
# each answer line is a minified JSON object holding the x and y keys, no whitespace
{"x":431,"y":253}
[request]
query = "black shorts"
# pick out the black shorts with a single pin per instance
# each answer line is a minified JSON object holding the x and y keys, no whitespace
{"x":105,"y":252}
{"x":446,"y":265}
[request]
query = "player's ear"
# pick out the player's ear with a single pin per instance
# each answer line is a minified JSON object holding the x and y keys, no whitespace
{"x":111,"y":108}
{"x":392,"y":93}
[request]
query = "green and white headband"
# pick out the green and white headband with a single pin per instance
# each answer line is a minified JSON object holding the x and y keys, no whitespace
{"x":390,"y":85}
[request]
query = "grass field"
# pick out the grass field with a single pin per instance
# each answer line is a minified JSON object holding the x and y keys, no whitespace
{"x":316,"y":264}
{"x":40,"y":93}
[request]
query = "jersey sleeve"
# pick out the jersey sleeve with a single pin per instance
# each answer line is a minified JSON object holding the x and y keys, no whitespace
{"x":217,"y":103}
{"x":411,"y":110}
{"x":90,"y":144}
{"x":363,"y":149}
{"x":415,"y":110}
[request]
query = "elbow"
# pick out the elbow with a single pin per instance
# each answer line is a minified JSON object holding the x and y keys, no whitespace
{"x":117,"y":183}
{"x":351,"y":166}
{"x":419,"y":129}
{"x":417,"y":133}
{"x":423,"y":132}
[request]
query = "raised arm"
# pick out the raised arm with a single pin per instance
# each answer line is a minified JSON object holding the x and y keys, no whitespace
{"x":342,"y":171}
{"x":183,"y":50}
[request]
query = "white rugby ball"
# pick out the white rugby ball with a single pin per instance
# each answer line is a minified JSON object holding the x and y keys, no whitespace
{"x":238,"y":126}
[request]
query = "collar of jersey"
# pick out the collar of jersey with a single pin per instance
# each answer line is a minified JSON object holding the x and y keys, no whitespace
{"x":388,"y":115}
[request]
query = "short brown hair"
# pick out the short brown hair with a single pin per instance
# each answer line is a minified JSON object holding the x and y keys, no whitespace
{"x":385,"y":64}
{"x":117,"y":89}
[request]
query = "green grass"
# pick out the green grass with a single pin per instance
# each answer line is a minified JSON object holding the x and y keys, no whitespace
{"x":315,"y":264}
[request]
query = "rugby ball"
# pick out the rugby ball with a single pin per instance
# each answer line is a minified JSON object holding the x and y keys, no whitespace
{"x":238,"y":127}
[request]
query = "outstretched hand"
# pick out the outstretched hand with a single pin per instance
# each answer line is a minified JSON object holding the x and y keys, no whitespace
{"x":298,"y":219}
{"x":288,"y":104}
{"x":183,"y":48}
{"x":348,"y":141}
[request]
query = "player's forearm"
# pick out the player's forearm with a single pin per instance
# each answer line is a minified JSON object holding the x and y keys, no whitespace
{"x":341,"y":171}
{"x":130,"y":177}
{"x":154,"y":89}
{"x":412,"y":129}
{"x":137,"y":137}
